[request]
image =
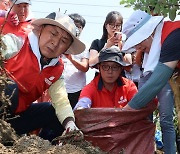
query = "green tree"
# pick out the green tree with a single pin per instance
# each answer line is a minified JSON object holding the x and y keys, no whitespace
{"x":164,"y":7}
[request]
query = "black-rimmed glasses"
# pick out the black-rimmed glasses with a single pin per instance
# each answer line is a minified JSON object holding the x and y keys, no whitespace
{"x":113,"y":68}
{"x":118,"y":26}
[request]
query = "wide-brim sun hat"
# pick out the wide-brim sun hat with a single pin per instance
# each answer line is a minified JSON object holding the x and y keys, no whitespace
{"x":21,"y":1}
{"x":64,"y":22}
{"x":112,"y":54}
{"x":139,"y":26}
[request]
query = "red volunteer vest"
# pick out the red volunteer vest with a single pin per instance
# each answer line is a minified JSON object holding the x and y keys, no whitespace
{"x":169,"y":26}
{"x":22,"y":29}
{"x":118,"y":97}
{"x":24,"y":69}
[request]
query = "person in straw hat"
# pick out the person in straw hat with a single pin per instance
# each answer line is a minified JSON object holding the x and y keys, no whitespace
{"x":34,"y":65}
{"x":160,"y":41}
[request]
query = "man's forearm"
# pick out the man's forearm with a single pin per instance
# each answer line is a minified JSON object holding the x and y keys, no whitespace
{"x":152,"y":87}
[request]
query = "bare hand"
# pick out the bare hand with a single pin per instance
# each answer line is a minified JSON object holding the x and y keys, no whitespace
{"x":128,"y":108}
{"x":115,"y":40}
{"x":68,"y":56}
{"x":13,"y":19}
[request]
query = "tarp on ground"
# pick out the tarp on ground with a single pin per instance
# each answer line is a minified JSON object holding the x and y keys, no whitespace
{"x":118,"y":131}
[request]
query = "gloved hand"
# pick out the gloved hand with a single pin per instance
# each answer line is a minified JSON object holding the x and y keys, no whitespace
{"x":13,"y":18}
{"x":70,"y":126}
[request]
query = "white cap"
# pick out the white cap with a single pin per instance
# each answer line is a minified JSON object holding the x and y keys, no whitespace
{"x":22,"y":1}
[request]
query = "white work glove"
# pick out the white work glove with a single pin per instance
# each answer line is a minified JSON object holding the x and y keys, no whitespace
{"x":70,"y":126}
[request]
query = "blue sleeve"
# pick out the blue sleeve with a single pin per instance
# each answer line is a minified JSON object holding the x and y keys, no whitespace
{"x":152,"y":87}
{"x":83,"y":103}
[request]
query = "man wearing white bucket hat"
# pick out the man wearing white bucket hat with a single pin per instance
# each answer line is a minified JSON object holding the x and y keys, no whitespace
{"x":161,"y":43}
{"x":34,"y":65}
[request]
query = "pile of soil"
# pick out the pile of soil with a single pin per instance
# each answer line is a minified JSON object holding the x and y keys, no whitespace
{"x":10,"y":143}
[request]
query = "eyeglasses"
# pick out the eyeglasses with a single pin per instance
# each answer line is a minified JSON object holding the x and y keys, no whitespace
{"x":78,"y":25}
{"x":113,"y":68}
{"x":113,"y":26}
{"x":78,"y":29}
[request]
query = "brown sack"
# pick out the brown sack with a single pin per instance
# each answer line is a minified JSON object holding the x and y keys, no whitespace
{"x":115,"y":130}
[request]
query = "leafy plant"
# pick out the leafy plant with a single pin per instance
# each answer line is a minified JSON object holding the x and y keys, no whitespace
{"x":157,"y":7}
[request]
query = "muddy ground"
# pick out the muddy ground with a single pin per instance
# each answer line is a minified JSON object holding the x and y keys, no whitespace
{"x":10,"y":143}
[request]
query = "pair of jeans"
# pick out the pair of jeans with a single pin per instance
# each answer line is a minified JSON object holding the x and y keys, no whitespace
{"x":166,"y":108}
{"x":38,"y":115}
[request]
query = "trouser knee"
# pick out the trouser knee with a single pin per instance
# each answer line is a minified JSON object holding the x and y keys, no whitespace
{"x":167,"y":123}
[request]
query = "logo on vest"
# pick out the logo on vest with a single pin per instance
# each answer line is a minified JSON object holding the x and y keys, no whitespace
{"x":122,"y":100}
{"x":49,"y":81}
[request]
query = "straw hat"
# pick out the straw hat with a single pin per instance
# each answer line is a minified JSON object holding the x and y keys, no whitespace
{"x":67,"y":24}
{"x":139,"y":27}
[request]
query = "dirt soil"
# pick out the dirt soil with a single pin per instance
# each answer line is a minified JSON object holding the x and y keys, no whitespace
{"x":10,"y":143}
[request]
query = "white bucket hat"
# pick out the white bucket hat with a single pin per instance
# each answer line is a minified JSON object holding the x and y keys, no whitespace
{"x":139,"y":27}
{"x":21,"y":1}
{"x":67,"y":24}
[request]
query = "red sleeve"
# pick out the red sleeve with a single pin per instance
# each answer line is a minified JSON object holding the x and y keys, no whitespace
{"x":132,"y":90}
{"x":88,"y":91}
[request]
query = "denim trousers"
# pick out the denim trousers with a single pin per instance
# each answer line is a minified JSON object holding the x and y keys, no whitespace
{"x":38,"y":116}
{"x":166,"y":107}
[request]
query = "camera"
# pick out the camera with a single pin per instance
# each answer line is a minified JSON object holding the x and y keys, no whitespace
{"x":117,"y":34}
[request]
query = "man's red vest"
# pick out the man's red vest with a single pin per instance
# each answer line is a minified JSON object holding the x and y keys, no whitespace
{"x":24,"y":69}
{"x":169,"y":26}
{"x":22,"y":29}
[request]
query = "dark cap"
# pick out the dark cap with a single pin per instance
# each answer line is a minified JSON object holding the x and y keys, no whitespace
{"x":112,"y":54}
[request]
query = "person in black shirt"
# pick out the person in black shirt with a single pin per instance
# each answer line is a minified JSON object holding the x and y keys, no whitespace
{"x":160,"y":40}
{"x":112,"y":25}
